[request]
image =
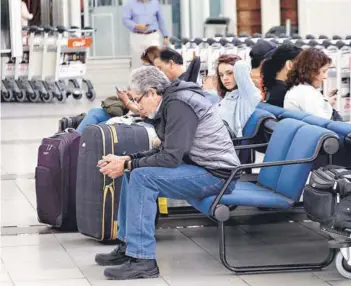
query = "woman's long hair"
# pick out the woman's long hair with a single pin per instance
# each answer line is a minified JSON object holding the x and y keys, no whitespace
{"x":224,"y":59}
{"x":307,"y":66}
{"x":273,"y":65}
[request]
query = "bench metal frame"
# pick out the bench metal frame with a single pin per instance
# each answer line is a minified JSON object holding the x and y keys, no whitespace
{"x":221,"y":227}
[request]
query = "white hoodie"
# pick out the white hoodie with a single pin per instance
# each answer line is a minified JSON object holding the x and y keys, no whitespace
{"x":305,"y":97}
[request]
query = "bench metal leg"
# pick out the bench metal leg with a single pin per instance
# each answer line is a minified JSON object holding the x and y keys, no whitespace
{"x":267,"y":268}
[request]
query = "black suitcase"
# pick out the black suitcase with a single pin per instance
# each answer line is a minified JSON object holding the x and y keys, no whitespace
{"x":98,"y":196}
{"x":327,"y":197}
{"x":55,"y":180}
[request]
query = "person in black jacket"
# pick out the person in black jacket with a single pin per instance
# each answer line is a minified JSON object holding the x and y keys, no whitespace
{"x":171,"y":63}
{"x":275,"y":73}
{"x":195,"y":157}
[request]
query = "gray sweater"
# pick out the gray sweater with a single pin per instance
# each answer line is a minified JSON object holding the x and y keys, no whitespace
{"x":191,"y":131}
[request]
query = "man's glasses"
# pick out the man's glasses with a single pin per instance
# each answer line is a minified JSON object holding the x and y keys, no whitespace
{"x":137,"y":100}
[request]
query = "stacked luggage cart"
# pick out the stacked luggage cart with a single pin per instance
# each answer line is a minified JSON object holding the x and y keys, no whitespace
{"x":337,"y":48}
{"x":53,"y":65}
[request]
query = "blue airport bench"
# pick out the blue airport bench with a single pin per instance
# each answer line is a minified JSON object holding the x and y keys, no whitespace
{"x":291,"y":152}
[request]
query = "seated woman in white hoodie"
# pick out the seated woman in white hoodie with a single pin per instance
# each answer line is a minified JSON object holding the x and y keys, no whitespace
{"x":304,"y":80}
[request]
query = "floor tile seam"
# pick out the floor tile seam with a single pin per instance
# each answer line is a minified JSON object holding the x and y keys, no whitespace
{"x":24,"y":195}
{"x":71,"y":258}
{"x":320,"y":234}
{"x":12,"y":177}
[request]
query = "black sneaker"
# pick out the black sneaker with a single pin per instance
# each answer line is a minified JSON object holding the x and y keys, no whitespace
{"x":115,"y":257}
{"x":133,"y":269}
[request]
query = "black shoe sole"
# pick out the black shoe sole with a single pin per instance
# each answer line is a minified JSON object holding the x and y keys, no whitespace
{"x":155,"y":273}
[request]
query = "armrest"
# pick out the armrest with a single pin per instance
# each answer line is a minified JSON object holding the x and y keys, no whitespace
{"x":252,"y":146}
{"x":252,"y":166}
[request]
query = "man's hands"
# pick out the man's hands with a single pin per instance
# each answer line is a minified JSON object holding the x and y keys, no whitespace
{"x":122,"y":95}
{"x":141,"y":27}
{"x":112,"y":165}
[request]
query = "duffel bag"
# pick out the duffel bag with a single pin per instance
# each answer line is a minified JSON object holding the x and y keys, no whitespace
{"x":327,"y":197}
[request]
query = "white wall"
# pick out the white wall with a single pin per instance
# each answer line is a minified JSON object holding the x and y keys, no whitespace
{"x":229,"y":11}
{"x":328,"y":17}
{"x":270,"y":14}
{"x":199,"y":11}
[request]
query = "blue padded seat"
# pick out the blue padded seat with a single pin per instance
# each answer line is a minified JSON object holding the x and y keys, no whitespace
{"x":275,"y":110}
{"x":280,"y":186}
{"x":316,"y":120}
{"x":295,"y":114}
{"x":256,"y":117}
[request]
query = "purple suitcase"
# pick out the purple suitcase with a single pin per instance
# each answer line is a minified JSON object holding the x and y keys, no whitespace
{"x":55,"y":180}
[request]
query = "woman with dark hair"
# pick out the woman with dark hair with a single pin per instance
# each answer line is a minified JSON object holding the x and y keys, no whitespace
{"x":275,"y":73}
{"x":149,"y":55}
{"x":304,"y":80}
{"x":239,"y":94}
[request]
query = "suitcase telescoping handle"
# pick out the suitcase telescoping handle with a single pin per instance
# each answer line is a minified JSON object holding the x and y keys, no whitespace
{"x":67,"y":130}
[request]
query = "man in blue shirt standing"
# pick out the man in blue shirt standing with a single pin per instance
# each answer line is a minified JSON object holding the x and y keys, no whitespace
{"x":143,"y":18}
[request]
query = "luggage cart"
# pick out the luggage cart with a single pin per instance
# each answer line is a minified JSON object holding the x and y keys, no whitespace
{"x":9,"y":88}
{"x":342,"y":242}
{"x":34,"y":81}
{"x":22,"y":74}
{"x":71,"y":66}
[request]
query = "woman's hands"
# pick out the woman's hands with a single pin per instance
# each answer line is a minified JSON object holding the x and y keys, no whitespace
{"x":332,"y":97}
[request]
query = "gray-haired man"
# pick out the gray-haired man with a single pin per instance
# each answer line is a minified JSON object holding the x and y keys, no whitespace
{"x":195,"y":157}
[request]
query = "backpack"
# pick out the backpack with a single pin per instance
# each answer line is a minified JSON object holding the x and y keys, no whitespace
{"x":327,"y":197}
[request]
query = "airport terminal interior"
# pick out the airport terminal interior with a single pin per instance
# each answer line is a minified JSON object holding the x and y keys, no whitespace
{"x":34,"y":253}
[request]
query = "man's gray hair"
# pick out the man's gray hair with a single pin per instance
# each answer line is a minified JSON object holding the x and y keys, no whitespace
{"x":144,"y":78}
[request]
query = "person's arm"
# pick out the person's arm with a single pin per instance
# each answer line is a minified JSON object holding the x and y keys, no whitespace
{"x":181,"y":126}
{"x":25,"y":13}
{"x":248,"y":91}
{"x":140,"y":155}
{"x":127,"y":17}
{"x":161,"y":22}
{"x":315,"y":104}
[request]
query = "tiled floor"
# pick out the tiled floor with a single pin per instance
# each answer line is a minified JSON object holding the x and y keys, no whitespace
{"x":186,"y":256}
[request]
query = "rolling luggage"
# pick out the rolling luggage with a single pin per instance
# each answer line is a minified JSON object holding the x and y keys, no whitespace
{"x":327,"y":197}
{"x":55,"y":180}
{"x":98,"y":195}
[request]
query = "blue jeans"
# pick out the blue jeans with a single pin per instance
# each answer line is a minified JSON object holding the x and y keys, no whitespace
{"x":137,"y":207}
{"x":94,"y":116}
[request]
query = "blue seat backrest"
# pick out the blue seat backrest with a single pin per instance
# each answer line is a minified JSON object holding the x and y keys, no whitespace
{"x":254,"y":120}
{"x":342,"y":129}
{"x":316,"y":120}
{"x":275,"y":110}
{"x":291,"y":140}
{"x":295,"y":114}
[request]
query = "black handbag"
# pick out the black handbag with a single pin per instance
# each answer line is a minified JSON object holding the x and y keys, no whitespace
{"x":327,"y":197}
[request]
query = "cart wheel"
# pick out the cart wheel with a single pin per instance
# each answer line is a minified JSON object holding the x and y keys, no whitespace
{"x":47,"y":97}
{"x":77,"y":95}
{"x":34,"y":96}
{"x":21,"y":96}
{"x":90,"y":94}
{"x":62,"y":96}
{"x":342,"y":266}
{"x":7,"y":96}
